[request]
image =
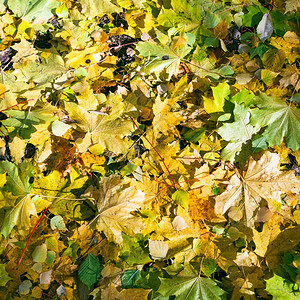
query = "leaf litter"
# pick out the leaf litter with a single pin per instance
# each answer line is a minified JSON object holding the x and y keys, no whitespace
{"x":149,"y":150}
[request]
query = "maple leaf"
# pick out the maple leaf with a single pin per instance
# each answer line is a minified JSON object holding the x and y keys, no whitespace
{"x":221,"y":92}
{"x":106,"y":130}
{"x":115,"y":202}
{"x":270,"y":231}
{"x":165,"y":119}
{"x":238,"y":132}
{"x":17,"y":177}
{"x":282,"y":121}
{"x":261,"y":180}
{"x":163,"y":57}
{"x":190,"y":286}
{"x":18,"y":216}
{"x":25,"y":122}
{"x":281,"y":288}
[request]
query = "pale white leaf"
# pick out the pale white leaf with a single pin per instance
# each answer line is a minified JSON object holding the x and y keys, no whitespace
{"x":158,"y":249}
{"x":265,"y":27}
{"x":45,"y":277}
{"x":61,"y":291}
{"x":24,"y":287}
{"x":179,"y":223}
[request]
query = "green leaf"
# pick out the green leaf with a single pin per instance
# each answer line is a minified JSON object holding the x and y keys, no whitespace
{"x":19,"y":215}
{"x":72,"y":250}
{"x":40,"y":253}
{"x":282,"y":121}
{"x":181,"y":197}
{"x":211,"y":19}
{"x":30,"y":9}
{"x":243,"y":96}
{"x":89,"y":271}
{"x":254,"y":15}
{"x":220,"y":93}
{"x":209,"y":266}
{"x":163,"y":57}
{"x":17,"y":177}
{"x":190,"y":287}
{"x":42,"y":73}
{"x":27,"y":120}
{"x":184,"y":14}
{"x":238,"y":132}
{"x":57,"y":222}
{"x":50,"y":257}
{"x":281,"y":289}
{"x":134,"y":251}
{"x":193,"y":135}
{"x":215,"y":190}
{"x":129,"y":278}
{"x":128,"y":169}
{"x":4,"y":278}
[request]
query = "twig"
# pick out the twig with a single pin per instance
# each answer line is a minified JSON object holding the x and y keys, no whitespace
{"x":31,"y":234}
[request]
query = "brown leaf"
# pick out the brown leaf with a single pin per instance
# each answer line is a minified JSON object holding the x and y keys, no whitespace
{"x":261,"y":180}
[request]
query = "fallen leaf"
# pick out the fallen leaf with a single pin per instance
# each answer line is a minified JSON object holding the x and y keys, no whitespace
{"x":115,"y":203}
{"x":261,"y":180}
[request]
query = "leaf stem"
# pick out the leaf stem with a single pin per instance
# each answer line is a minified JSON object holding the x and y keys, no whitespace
{"x":162,"y":159}
{"x":31,"y":234}
{"x":16,"y":104}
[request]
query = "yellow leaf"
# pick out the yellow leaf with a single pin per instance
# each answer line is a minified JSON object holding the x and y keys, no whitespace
{"x":273,"y":59}
{"x":17,"y":148}
{"x":2,"y":90}
{"x":270,"y":231}
{"x":85,"y":57}
{"x":134,"y":294}
{"x":268,"y":76}
{"x":165,"y":116}
{"x":289,"y":44}
{"x":115,"y":203}
{"x":107,"y":130}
